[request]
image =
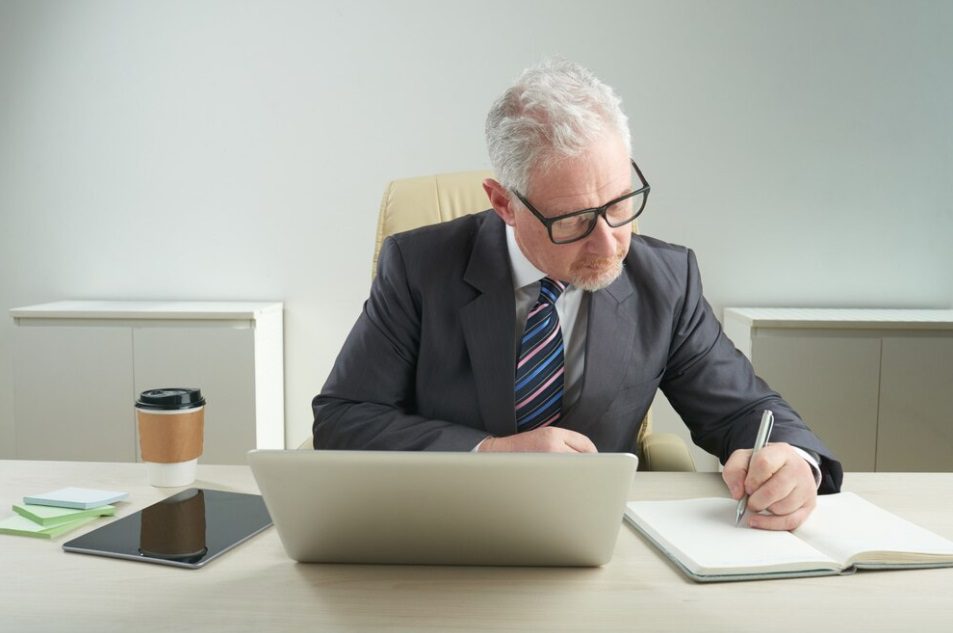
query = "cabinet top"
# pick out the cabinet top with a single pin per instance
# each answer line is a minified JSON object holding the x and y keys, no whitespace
{"x":186,"y":310}
{"x":843,"y":318}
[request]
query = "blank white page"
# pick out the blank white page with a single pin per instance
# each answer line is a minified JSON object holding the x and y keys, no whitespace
{"x":846,"y":526}
{"x":702,"y":534}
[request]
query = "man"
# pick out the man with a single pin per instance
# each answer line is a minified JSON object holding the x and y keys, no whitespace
{"x":545,"y":325}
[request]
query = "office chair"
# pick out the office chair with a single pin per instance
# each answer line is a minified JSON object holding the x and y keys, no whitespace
{"x":409,"y":203}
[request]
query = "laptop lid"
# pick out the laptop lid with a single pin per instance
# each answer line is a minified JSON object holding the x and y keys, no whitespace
{"x":445,"y":508}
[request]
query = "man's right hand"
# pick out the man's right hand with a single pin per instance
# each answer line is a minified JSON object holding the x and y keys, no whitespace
{"x":548,"y":439}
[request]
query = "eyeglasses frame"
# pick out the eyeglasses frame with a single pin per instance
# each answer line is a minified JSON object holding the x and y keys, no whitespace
{"x":599,"y":211}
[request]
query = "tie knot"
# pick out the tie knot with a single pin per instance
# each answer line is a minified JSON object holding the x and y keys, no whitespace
{"x":549,"y":290}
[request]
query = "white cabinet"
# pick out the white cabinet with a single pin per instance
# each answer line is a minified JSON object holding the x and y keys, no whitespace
{"x":875,"y":385}
{"x":80,"y":365}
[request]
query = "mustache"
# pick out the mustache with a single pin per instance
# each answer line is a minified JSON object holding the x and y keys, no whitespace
{"x":599,"y":262}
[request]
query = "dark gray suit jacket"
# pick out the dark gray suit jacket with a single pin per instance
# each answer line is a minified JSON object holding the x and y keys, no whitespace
{"x":430,"y":363}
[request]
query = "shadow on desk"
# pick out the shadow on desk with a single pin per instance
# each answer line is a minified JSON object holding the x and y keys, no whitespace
{"x":442,"y":596}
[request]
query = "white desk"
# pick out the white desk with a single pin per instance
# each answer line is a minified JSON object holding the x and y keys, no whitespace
{"x":256,"y":588}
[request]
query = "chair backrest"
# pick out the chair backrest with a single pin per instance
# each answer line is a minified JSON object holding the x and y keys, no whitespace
{"x":410,"y":203}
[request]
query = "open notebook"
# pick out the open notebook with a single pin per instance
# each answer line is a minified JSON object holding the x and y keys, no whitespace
{"x":844,"y":533}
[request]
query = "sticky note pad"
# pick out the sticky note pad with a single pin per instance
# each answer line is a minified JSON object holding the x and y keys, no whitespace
{"x":50,"y":515}
{"x":22,"y":526}
{"x":81,"y":498}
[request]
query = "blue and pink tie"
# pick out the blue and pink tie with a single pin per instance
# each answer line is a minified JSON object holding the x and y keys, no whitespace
{"x":540,"y":365}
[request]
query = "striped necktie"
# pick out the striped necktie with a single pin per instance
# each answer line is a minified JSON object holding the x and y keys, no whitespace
{"x":539,"y":367}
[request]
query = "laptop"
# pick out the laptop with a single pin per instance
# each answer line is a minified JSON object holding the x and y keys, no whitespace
{"x":433,"y":508}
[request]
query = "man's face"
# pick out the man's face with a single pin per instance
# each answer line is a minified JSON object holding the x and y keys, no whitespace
{"x":587,"y":181}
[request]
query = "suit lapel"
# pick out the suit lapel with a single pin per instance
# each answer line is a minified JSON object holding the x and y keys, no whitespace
{"x":610,"y":335}
{"x":489,"y":324}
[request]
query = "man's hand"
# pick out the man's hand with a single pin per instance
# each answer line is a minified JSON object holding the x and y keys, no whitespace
{"x":548,"y":439}
{"x":779,"y":480}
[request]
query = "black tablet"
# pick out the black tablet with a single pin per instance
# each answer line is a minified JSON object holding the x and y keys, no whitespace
{"x":187,"y":529}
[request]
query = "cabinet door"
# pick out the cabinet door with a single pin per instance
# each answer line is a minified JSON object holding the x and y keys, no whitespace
{"x":73,"y":394}
{"x":218,"y":360}
{"x":916,"y":404}
{"x":831,"y":380}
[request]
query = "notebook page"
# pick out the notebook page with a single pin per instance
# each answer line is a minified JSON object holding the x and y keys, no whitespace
{"x":702,"y":534}
{"x":847,"y":526}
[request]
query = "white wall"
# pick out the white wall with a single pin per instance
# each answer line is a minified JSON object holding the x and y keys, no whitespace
{"x":238,"y":150}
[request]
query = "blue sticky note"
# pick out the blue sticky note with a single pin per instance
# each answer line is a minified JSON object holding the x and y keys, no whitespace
{"x":81,"y":498}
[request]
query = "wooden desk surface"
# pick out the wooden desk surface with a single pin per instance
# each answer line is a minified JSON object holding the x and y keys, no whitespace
{"x":257,"y":588}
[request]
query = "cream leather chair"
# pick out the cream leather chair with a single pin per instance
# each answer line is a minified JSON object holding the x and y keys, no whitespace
{"x":410,"y":203}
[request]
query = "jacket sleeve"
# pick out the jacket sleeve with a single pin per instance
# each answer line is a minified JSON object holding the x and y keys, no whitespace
{"x":366,"y":402}
{"x":714,"y":389}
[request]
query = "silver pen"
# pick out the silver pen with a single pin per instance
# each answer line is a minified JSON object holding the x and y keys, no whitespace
{"x":764,"y":432}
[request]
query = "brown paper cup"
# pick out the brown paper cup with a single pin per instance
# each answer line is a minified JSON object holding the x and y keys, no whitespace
{"x":169,"y":437}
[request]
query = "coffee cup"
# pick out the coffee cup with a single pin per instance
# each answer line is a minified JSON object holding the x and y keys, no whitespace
{"x":171,"y":434}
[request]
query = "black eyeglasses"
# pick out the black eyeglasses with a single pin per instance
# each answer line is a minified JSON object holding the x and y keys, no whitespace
{"x":571,"y":227}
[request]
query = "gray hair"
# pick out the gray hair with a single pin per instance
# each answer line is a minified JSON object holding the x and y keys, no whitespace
{"x":556,"y":109}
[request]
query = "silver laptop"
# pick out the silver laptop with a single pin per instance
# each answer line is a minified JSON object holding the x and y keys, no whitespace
{"x":445,"y":508}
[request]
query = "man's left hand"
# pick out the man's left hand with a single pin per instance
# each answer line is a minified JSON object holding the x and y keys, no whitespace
{"x":779,"y":480}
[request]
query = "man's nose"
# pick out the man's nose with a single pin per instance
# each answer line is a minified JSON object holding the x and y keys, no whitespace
{"x":602,"y":239}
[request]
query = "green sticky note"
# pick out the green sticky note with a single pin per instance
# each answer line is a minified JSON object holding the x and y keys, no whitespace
{"x":50,"y":515}
{"x":22,"y":526}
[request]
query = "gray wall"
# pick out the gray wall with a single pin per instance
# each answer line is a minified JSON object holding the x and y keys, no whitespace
{"x":238,"y":150}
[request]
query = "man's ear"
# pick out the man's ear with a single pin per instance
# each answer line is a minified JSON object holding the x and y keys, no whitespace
{"x":499,"y":199}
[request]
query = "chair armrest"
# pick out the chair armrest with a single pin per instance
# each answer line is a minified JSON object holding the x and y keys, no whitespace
{"x":666,"y":451}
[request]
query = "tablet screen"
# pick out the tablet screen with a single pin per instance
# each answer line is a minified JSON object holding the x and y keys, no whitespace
{"x":187,"y":529}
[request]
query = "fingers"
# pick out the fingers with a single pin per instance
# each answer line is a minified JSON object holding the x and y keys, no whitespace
{"x":581,"y":444}
{"x":779,"y":495}
{"x":768,"y":461}
{"x":578,"y":442}
{"x":544,"y":440}
{"x":553,"y":439}
{"x":781,"y":482}
{"x":781,"y":522}
{"x":735,"y":471}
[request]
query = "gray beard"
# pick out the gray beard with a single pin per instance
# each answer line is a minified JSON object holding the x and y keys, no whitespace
{"x":598,"y":283}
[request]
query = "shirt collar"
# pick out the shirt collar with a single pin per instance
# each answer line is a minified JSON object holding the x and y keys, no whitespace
{"x":524,"y":273}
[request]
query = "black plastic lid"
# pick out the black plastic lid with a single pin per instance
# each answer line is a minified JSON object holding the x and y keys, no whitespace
{"x":171,"y":398}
